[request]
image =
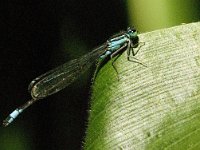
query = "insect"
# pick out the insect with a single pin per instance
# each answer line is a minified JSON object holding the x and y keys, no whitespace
{"x":62,"y":76}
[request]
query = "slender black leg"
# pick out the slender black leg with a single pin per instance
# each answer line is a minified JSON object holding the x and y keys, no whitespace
{"x":101,"y":62}
{"x":134,"y":53}
{"x":118,"y":53}
{"x":136,"y":45}
{"x":98,"y":66}
{"x":114,"y":65}
{"x":136,"y":60}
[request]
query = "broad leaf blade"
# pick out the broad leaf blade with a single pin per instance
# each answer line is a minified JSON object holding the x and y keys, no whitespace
{"x":153,"y":107}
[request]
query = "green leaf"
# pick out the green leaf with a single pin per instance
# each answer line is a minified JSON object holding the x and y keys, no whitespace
{"x":153,"y":107}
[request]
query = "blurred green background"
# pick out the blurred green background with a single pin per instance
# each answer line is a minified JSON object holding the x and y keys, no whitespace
{"x":39,"y":35}
{"x":156,"y":14}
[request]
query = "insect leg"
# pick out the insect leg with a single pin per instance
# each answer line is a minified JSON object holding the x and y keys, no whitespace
{"x":118,"y":53}
{"x":133,"y":59}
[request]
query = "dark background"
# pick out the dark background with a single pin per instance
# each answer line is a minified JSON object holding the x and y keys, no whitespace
{"x":35,"y":37}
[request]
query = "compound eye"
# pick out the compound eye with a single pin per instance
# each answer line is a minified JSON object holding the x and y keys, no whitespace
{"x":131,"y":30}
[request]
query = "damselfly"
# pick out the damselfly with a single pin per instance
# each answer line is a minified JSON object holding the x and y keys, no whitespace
{"x":60,"y":77}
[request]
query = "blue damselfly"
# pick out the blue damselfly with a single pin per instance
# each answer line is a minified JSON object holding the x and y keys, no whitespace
{"x":62,"y":76}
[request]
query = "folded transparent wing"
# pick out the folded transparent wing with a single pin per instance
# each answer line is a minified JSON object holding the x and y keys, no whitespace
{"x":62,"y":76}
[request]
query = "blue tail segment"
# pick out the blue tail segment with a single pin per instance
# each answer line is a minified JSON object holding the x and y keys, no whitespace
{"x":16,"y":112}
{"x":12,"y":116}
